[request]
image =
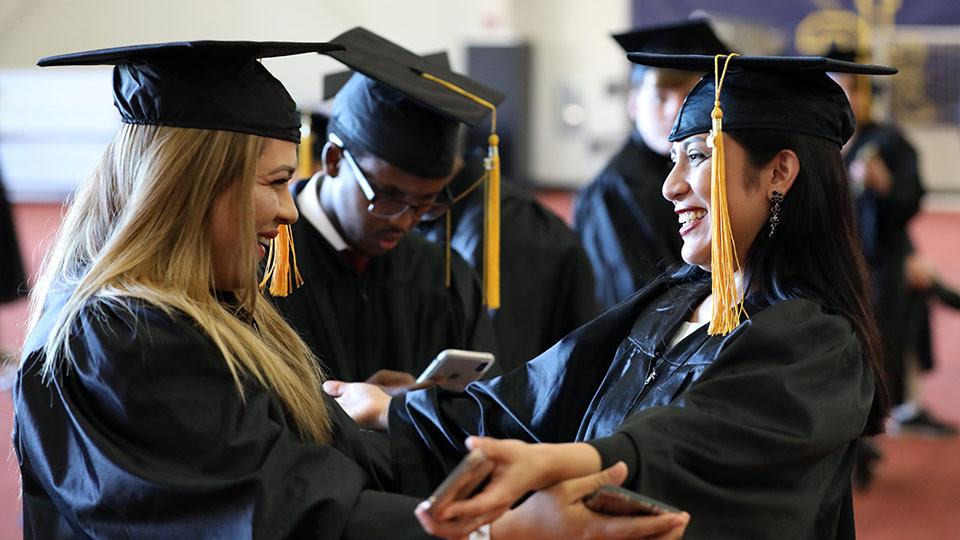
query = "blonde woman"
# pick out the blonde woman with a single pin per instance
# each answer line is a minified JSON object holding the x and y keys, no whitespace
{"x":159,"y":394}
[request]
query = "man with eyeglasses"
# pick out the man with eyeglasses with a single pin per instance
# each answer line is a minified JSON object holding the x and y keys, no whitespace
{"x":374,"y":297}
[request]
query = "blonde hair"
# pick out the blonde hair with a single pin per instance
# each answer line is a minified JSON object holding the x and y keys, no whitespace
{"x":140,"y":227}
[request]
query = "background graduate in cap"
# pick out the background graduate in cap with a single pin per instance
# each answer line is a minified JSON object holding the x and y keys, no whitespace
{"x":888,"y":190}
{"x":626,"y":227}
{"x":159,"y":395}
{"x":374,"y":297}
{"x":735,"y":388}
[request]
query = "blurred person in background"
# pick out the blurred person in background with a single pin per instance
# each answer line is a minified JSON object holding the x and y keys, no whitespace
{"x":628,"y":230}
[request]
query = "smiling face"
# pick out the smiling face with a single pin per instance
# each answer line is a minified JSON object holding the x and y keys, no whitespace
{"x":367,"y":233}
{"x":748,"y":192}
{"x":272,"y":206}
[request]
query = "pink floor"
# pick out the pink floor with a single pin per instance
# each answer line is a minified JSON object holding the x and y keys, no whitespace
{"x":917,"y":493}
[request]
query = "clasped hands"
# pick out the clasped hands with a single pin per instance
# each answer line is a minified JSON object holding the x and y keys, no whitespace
{"x":558,"y":475}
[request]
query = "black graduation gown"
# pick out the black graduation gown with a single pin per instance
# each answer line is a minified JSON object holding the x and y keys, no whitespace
{"x":886,"y":242}
{"x":546,"y":280}
{"x":629,"y":230}
{"x":752,"y":433}
{"x":147,"y":437}
{"x":13,"y":280}
{"x":396,"y":315}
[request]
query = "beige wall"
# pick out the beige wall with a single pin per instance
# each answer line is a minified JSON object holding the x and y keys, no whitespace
{"x":572,"y":49}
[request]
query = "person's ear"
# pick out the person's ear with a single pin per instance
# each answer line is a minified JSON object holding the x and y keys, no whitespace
{"x":331,"y":156}
{"x":783,"y":170}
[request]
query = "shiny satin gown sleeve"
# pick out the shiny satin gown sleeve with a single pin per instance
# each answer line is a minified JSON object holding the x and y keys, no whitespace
{"x":148,"y":437}
{"x":761,"y":445}
{"x":758,"y":446}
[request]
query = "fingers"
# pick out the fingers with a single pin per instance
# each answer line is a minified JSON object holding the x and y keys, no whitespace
{"x":475,"y":442}
{"x":492,"y":501}
{"x":389,"y":377}
{"x":335,"y":388}
{"x":494,"y":449}
{"x":420,"y":386}
{"x":662,"y":527}
{"x":403,"y":389}
{"x":677,"y":532}
{"x":457,"y":528}
{"x":585,"y":485}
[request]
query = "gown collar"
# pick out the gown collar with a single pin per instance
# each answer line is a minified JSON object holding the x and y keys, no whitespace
{"x":308,"y":202}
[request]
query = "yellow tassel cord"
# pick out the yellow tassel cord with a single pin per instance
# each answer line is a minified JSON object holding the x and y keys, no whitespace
{"x":449,"y":224}
{"x":727,"y":300}
{"x":305,"y":150}
{"x":491,"y":209}
{"x":448,"y":266}
{"x":282,"y":276}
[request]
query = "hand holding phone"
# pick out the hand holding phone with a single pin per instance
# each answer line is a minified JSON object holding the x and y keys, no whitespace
{"x":454,"y":369}
{"x":617,"y":501}
{"x":462,"y":482}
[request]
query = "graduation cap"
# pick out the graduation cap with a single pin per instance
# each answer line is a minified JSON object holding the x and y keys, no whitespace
{"x":407,"y":109}
{"x":689,"y":36}
{"x":333,"y":82}
{"x":785,"y":93}
{"x":201,"y":84}
{"x":218,"y":85}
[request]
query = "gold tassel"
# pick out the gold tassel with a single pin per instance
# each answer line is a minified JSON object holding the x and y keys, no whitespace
{"x":446,"y":248}
{"x":491,"y":221}
{"x":727,"y":300}
{"x":449,"y":225}
{"x":283,"y":276}
{"x":491,"y":211}
{"x":305,"y":150}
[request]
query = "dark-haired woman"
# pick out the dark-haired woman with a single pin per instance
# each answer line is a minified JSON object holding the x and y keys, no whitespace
{"x":748,"y":424}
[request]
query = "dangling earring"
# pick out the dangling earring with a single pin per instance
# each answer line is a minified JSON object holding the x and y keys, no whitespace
{"x":775,"y":199}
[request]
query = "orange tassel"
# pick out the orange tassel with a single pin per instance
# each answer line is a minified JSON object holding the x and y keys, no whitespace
{"x":283,"y":276}
{"x":727,"y":299}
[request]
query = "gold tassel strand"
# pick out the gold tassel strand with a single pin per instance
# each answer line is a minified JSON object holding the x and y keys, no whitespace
{"x":491,"y":210}
{"x":283,"y":276}
{"x":446,"y":248}
{"x":305,"y":150}
{"x":449,"y":225}
{"x":727,"y":300}
{"x":491,"y":220}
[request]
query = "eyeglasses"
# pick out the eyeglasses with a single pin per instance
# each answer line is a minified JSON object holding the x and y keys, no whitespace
{"x":387,"y":206}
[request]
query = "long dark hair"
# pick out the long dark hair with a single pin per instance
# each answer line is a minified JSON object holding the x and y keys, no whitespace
{"x":816,"y":251}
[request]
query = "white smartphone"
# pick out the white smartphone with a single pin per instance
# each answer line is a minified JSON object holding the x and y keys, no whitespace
{"x":454,"y":369}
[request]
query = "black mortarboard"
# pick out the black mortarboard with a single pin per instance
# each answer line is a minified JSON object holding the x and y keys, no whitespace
{"x":689,"y":36}
{"x":789,"y":93}
{"x":201,"y":84}
{"x":395,"y":112}
{"x":843,"y":54}
{"x":333,"y":82}
{"x":785,"y":93}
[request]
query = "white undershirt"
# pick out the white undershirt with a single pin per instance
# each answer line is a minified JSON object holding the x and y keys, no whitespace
{"x":308,"y":202}
{"x":685,"y":330}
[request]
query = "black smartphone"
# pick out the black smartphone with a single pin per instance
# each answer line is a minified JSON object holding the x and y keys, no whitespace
{"x":462,"y":482}
{"x":617,"y":501}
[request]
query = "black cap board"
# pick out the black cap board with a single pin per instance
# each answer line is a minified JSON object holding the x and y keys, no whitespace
{"x":201,"y":84}
{"x":391,"y":110}
{"x":789,"y":93}
{"x":689,"y":36}
{"x":843,"y":54}
{"x":333,"y":82}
